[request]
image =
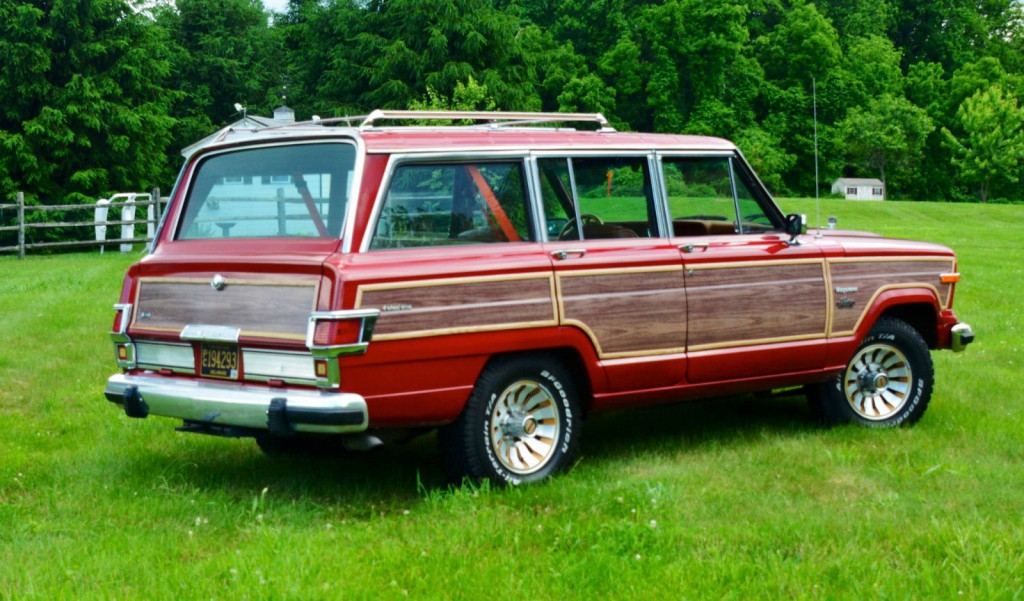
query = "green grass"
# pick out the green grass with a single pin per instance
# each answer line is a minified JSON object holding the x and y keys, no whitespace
{"x":736,"y":498}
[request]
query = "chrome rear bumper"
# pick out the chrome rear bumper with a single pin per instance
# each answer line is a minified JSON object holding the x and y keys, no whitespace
{"x":960,"y":336}
{"x":238,"y":405}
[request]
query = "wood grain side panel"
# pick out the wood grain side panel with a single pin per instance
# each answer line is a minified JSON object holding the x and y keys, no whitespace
{"x":257,"y":309}
{"x":424,"y":308}
{"x":859,"y":282}
{"x":745,"y":305}
{"x":627,"y":313}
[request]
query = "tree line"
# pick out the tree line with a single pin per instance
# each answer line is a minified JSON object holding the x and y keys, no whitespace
{"x":101,"y":95}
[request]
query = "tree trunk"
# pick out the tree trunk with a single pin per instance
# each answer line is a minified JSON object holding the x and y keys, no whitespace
{"x":984,"y":191}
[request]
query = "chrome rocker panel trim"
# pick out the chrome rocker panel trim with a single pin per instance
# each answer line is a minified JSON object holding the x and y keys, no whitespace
{"x":238,"y":405}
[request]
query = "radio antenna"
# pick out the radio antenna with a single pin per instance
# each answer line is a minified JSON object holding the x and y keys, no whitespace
{"x":817,"y":196}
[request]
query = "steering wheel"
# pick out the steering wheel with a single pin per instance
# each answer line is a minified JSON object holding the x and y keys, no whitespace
{"x":585,"y":219}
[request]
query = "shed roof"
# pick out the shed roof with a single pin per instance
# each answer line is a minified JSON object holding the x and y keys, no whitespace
{"x":858,"y":181}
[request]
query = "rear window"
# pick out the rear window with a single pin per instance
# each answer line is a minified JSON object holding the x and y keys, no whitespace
{"x":283,"y":191}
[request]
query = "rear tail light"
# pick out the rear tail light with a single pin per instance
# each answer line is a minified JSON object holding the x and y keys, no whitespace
{"x":336,"y":333}
{"x":124,"y":349}
{"x":333,"y":333}
{"x":122,"y":313}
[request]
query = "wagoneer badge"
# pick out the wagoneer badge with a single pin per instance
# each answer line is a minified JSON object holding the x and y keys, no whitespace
{"x":218,"y":282}
{"x":391,"y":307}
{"x":845,"y":302}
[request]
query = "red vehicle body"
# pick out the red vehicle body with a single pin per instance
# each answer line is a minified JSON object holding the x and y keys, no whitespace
{"x":676,"y":308}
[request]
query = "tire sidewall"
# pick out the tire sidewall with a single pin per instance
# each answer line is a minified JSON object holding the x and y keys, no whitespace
{"x":562,"y":391}
{"x":916,"y":352}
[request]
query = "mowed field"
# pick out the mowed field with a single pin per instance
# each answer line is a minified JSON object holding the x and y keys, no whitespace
{"x":736,"y":498}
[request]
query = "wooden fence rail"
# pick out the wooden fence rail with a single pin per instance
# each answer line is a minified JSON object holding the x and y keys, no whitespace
{"x":155,"y":200}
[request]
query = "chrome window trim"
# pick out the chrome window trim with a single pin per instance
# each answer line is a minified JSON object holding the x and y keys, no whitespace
{"x":649,"y":155}
{"x":349,"y":227}
{"x":735,"y":199}
{"x":357,"y":166}
{"x":592,"y":153}
{"x":536,"y":200}
{"x":575,"y":197}
{"x":695,"y":153}
{"x":397,"y":160}
{"x":532,"y":194}
{"x":660,"y":197}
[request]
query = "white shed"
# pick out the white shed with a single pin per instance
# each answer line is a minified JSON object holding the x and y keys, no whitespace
{"x":857,"y":188}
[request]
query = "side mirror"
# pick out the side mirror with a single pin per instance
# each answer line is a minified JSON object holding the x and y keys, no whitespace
{"x":796,"y":224}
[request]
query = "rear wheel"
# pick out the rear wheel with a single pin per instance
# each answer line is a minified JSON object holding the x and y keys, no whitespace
{"x":888,"y":381}
{"x":521,"y":423}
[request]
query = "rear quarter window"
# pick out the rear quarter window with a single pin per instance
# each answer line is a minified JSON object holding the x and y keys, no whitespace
{"x":443,"y":204}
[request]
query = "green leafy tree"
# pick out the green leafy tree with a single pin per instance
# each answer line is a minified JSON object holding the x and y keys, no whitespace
{"x":766,"y":156}
{"x":84,"y":110}
{"x":888,"y":135}
{"x":223,"y":53}
{"x":991,"y":146}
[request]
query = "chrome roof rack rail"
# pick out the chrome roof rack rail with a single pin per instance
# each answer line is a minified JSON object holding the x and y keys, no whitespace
{"x":349,"y":121}
{"x":494,"y":119}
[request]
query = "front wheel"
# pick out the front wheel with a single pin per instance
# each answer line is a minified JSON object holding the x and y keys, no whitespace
{"x":888,"y":381}
{"x":521,"y":423}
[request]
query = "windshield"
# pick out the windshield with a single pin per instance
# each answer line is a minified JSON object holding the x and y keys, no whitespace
{"x":282,"y":191}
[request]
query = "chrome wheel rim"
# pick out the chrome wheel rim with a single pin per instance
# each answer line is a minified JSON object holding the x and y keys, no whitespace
{"x":524,"y":427}
{"x":877,"y":382}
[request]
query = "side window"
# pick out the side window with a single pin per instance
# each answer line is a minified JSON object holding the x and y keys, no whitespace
{"x":701,"y":201}
{"x":455,"y":203}
{"x":612,"y":197}
{"x":699,"y":192}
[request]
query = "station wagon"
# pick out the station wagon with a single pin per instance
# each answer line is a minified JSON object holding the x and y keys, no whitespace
{"x":500,"y":277}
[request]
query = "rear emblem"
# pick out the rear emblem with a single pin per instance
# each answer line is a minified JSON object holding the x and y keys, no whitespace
{"x":218,"y":282}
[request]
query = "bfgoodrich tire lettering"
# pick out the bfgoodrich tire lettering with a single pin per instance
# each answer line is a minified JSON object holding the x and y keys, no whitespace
{"x":887,"y":383}
{"x":521,"y":423}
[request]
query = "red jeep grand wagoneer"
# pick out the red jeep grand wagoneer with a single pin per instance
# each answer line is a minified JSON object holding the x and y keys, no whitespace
{"x":500,"y":280}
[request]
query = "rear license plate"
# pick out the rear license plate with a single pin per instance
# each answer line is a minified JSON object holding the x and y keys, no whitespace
{"x":218,"y":360}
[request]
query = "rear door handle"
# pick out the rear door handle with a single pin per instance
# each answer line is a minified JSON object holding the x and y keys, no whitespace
{"x":693,"y":246}
{"x":565,"y":253}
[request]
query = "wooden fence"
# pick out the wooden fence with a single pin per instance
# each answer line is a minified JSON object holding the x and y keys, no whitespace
{"x":24,"y":226}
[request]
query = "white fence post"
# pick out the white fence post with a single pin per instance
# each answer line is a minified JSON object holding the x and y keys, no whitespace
{"x":127,"y":214}
{"x":100,"y":215}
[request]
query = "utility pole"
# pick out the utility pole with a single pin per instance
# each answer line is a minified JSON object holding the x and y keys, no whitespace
{"x":817,"y":198}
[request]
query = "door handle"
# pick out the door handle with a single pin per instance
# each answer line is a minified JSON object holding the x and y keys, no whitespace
{"x":565,"y":253}
{"x":693,"y":246}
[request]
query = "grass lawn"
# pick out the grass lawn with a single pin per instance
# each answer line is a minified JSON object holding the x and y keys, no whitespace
{"x":733,"y":498}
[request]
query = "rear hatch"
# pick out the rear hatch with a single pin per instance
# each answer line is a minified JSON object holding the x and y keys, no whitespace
{"x":239,"y":267}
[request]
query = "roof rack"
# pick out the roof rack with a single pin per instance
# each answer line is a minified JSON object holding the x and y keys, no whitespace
{"x":494,"y":119}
